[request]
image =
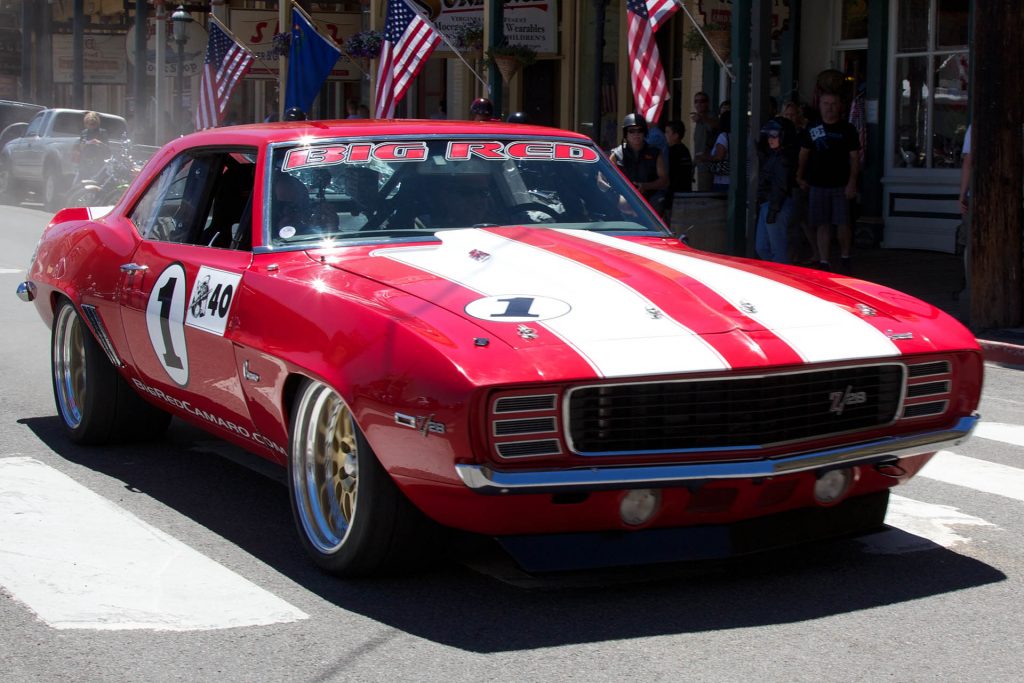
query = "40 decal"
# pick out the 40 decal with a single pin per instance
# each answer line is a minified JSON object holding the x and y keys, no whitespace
{"x":210,"y":302}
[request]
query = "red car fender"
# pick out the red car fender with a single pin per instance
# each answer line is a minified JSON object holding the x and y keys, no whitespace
{"x":344,"y":332}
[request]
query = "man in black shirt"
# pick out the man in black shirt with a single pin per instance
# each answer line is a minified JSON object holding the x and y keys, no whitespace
{"x":829,"y":163}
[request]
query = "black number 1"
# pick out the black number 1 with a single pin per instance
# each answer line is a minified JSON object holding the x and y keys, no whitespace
{"x":518,"y":307}
{"x":164,"y":296}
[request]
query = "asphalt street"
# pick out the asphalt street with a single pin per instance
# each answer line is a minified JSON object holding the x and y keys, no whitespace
{"x":184,"y":556}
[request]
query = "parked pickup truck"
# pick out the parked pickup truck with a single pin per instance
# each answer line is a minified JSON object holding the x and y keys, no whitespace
{"x":44,"y":159}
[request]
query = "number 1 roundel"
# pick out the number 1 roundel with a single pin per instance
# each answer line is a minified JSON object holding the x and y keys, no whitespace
{"x":165,"y":322}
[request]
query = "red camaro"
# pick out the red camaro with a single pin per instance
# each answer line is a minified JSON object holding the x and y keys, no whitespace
{"x":484,"y":325}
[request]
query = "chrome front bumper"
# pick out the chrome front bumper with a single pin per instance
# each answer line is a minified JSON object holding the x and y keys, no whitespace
{"x":483,"y":479}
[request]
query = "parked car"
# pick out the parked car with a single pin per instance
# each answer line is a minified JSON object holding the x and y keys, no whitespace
{"x":484,"y":326}
{"x":14,"y":118}
{"x":43,"y":158}
{"x":15,"y":112}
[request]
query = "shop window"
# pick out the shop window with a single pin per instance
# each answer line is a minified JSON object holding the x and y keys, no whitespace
{"x":930,"y":83}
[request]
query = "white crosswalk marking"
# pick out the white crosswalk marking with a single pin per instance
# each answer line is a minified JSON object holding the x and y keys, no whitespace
{"x":926,"y":525}
{"x":989,"y":477}
{"x":81,"y":562}
{"x":999,"y":431}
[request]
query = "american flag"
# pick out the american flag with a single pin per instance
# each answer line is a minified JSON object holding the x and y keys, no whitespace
{"x":227,"y":61}
{"x":660,"y":11}
{"x":409,"y":39}
{"x":649,"y":89}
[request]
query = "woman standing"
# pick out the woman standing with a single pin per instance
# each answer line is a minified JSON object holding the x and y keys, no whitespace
{"x":776,"y":180}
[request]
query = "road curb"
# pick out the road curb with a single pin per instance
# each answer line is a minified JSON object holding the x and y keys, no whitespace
{"x":1003,"y":353}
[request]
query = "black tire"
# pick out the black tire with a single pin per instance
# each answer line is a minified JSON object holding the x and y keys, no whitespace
{"x":86,"y":196}
{"x":53,"y":189}
{"x":93,"y":401}
{"x":351,"y":518}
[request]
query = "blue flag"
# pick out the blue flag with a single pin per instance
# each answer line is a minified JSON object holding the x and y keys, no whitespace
{"x":310,"y":60}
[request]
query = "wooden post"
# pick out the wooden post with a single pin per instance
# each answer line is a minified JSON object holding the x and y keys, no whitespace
{"x":997,"y":149}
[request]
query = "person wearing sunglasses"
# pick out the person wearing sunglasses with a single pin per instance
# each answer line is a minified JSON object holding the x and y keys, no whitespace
{"x":775,"y":182}
{"x":643,"y":164}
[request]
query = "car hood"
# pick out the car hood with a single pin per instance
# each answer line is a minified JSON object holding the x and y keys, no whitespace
{"x":633,"y":305}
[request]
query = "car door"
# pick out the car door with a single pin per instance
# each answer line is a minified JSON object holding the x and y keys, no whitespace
{"x":181,"y":284}
{"x":25,"y":162}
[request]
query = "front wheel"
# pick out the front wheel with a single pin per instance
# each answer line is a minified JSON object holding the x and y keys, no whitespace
{"x":351,"y":517}
{"x":87,"y":196}
{"x":95,"y":404}
{"x":51,"y":190}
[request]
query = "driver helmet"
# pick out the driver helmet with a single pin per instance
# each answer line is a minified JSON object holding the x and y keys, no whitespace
{"x":294,"y":114}
{"x":518,"y":117}
{"x":482,"y":107}
{"x":632,"y":120}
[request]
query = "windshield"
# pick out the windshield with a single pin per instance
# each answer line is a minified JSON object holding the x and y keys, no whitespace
{"x":386,"y":189}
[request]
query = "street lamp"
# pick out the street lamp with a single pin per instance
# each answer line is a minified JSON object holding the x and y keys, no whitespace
{"x":180,"y":21}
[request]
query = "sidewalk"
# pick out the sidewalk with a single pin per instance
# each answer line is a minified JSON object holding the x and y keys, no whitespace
{"x":936,"y":278}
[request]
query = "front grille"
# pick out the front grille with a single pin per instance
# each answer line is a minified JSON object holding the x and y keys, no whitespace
{"x":743,"y":412}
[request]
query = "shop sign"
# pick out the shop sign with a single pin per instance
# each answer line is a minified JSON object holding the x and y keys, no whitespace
{"x":533,"y":23}
{"x":720,"y":12}
{"x":256,"y":29}
{"x":102,"y":57}
{"x":193,"y":50}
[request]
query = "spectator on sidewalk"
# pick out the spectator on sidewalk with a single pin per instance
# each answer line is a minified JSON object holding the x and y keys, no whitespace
{"x":776,"y":179}
{"x":717,"y":161}
{"x":680,"y":163}
{"x":829,"y":163}
{"x":705,"y":129}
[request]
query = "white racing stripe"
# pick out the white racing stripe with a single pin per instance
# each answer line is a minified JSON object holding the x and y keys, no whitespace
{"x":608,"y":325}
{"x":998,"y":431}
{"x":816,"y":329}
{"x":81,"y":562}
{"x":981,"y":475}
{"x":920,"y":526}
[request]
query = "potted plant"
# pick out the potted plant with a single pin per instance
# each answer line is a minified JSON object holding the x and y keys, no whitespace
{"x":365,"y":44}
{"x":510,"y":58}
{"x":469,"y":36}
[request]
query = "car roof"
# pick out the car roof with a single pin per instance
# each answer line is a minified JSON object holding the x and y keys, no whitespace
{"x":62,"y":110}
{"x":263,"y":133}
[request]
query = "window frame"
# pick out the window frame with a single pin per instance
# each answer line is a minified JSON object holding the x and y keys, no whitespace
{"x":932,"y":53}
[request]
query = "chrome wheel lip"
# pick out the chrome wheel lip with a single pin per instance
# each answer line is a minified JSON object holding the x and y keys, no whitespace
{"x":69,"y":371}
{"x":324,"y":475}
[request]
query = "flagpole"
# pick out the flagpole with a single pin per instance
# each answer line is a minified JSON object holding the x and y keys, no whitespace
{"x":255,"y":55}
{"x":447,"y":42}
{"x":718,"y":58}
{"x":284,"y":19}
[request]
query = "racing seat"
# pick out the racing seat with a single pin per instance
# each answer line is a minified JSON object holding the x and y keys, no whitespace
{"x":233,"y":195}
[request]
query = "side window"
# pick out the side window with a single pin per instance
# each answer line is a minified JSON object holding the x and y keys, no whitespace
{"x":200,"y":198}
{"x":35,"y":126}
{"x":68,"y":124}
{"x":162,"y":213}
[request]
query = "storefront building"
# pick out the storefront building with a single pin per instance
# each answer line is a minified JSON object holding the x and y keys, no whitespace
{"x":906,"y":62}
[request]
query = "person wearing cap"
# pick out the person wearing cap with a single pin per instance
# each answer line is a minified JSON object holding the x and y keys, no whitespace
{"x":776,"y":179}
{"x":641,"y":163}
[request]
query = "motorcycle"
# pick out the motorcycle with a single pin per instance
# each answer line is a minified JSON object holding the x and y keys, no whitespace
{"x":110,"y":182}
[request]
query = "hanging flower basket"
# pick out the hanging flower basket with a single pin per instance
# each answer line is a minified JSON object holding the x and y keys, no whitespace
{"x":364,"y":44}
{"x":510,"y":58}
{"x":468,"y":37}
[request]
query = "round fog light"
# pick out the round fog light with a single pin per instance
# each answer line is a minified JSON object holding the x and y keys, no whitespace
{"x":639,"y":505}
{"x":832,"y":485}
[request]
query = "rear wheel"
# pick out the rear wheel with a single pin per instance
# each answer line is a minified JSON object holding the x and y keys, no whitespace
{"x":95,"y":404}
{"x":52,"y":189}
{"x":87,"y":196}
{"x":351,"y":517}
